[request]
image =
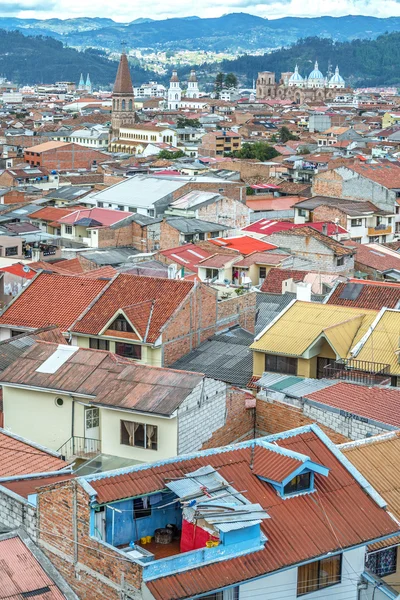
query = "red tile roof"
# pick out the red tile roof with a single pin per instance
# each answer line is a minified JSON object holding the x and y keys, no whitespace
{"x":386,"y":174}
{"x":18,"y":457}
{"x":52,"y":299}
{"x":271,"y":203}
{"x":127,"y":290}
{"x":261,"y":258}
{"x":22,"y":573}
{"x":372,"y":256}
{"x":275,"y":277}
{"x":370,"y":296}
{"x":243,"y":244}
{"x":299,"y":528}
{"x":273,"y":465}
{"x":24,"y":487}
{"x":378,"y":404}
{"x":218,"y":261}
{"x":18,"y":269}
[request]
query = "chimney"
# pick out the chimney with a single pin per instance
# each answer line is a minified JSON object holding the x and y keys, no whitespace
{"x":325,"y":228}
{"x":303,"y":291}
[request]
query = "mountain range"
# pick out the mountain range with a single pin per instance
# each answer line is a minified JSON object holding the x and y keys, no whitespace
{"x":230,"y":33}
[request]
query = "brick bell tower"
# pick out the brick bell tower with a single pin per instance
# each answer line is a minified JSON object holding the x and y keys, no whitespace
{"x":123,"y":100}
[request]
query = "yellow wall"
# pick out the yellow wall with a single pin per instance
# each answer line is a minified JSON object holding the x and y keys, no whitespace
{"x":150,"y":356}
{"x":110,"y":423}
{"x":34,"y":415}
{"x":258,"y":363}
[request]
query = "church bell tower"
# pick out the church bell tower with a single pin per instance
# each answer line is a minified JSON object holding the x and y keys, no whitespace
{"x":123,"y":101}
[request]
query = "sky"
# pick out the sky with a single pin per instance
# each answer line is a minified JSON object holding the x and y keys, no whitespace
{"x":128,"y":10}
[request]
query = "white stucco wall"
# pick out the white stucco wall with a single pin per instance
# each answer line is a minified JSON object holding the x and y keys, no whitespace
{"x":283,"y":585}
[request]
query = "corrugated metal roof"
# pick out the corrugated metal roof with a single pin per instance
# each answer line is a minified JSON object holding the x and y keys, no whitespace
{"x":21,"y":572}
{"x":340,"y":515}
{"x":304,"y":322}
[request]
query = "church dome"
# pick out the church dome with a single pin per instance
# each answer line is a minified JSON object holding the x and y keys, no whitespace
{"x":296,"y":77}
{"x":336,"y":79}
{"x":316,"y":74}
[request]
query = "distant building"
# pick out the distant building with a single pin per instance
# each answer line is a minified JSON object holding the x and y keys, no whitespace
{"x":177,"y":101}
{"x":123,"y":100}
{"x":294,"y":87}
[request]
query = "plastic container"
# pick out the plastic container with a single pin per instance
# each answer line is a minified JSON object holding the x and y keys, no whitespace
{"x":143,"y":540}
{"x":148,"y":539}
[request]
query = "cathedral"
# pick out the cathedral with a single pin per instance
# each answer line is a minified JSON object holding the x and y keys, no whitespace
{"x":294,"y":87}
{"x":191,"y":100}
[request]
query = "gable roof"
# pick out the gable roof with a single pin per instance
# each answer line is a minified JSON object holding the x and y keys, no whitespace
{"x":244,"y":244}
{"x":126,"y":290}
{"x":188,"y":255}
{"x":376,"y":256}
{"x":354,"y":517}
{"x":43,"y":301}
{"x":275,"y":277}
{"x":386,"y":174}
{"x":306,"y":231}
{"x":302,"y":323}
{"x":268,"y":226}
{"x":96,"y":217}
{"x":106,"y":378}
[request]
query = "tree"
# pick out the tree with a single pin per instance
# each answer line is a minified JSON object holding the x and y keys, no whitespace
{"x":230,"y":81}
{"x":184,"y":122}
{"x":168,"y":155}
{"x":304,"y":151}
{"x":285,"y":135}
{"x":259,"y":150}
{"x":219,"y":82}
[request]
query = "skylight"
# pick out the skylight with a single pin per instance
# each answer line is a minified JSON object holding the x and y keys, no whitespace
{"x":57,"y":359}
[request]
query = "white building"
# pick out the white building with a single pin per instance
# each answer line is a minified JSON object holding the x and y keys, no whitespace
{"x":316,"y":79}
{"x":151,"y":89}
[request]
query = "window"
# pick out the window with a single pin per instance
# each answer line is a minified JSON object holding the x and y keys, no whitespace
{"x":68,"y":229}
{"x":12,"y":251}
{"x":140,"y":435}
{"x":211,"y":273}
{"x":120,"y":207}
{"x":357,"y":240}
{"x":141,"y":508}
{"x":133,"y":351}
{"x":302,"y":212}
{"x":150,"y":212}
{"x":97,"y":344}
{"x":300,"y":483}
{"x":378,"y":221}
{"x":121,"y":324}
{"x":281,"y":364}
{"x":100,"y":205}
{"x":340,"y":261}
{"x":319,"y":575}
{"x":92,"y":418}
{"x":263,"y":272}
{"x":356,"y":222}
{"x":383,"y":562}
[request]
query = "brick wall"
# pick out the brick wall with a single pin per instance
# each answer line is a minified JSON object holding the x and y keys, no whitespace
{"x":92,"y":569}
{"x":248,"y":168}
{"x":15,"y":511}
{"x":328,"y":183}
{"x":71,"y":156}
{"x":227,"y":212}
{"x":329,"y":213}
{"x":169,"y":237}
{"x":239,"y":422}
{"x":240,"y":310}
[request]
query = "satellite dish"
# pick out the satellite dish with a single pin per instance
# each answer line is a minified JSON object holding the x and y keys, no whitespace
{"x":26,"y":269}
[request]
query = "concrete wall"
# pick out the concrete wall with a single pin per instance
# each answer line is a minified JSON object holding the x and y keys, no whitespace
{"x":35,"y":416}
{"x":284,"y":584}
{"x":202,"y":413}
{"x":15,"y":511}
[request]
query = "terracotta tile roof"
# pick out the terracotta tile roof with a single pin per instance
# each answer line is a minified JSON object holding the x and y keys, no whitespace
{"x":374,"y":256}
{"x":267,"y":226}
{"x":262,"y":258}
{"x":125,"y":290}
{"x":72,"y":265}
{"x":378,"y":404}
{"x":369,"y":295}
{"x":24,"y":487}
{"x":354,"y":517}
{"x":123,"y":81}
{"x":20,"y":457}
{"x":52,"y":299}
{"x":275,"y":277}
{"x":106,"y":271}
{"x":22,"y":574}
{"x":218,"y":261}
{"x":387,"y":174}
{"x":104,"y":216}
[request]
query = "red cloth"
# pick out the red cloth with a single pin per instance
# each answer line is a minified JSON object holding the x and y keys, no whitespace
{"x":194,"y":537}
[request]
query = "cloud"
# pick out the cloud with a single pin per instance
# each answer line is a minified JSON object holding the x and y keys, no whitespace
{"x":128,"y":10}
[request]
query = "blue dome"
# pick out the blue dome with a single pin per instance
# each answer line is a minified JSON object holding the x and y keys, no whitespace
{"x":296,"y":77}
{"x":336,"y":79}
{"x":316,"y":74}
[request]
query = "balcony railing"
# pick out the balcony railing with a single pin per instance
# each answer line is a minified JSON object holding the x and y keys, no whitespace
{"x":380,"y":230}
{"x":80,"y":447}
{"x":358,"y":371}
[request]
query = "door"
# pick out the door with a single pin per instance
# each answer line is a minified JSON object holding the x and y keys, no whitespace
{"x":262,"y":275}
{"x":92,"y":422}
